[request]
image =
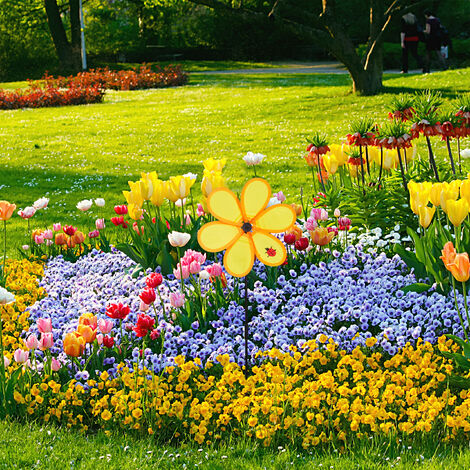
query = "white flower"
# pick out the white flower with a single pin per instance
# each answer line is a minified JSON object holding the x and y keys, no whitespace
{"x":84,"y":205}
{"x":273,"y":201}
{"x":178,"y":239}
{"x":6,"y":297}
{"x":41,"y":203}
{"x":337,"y":212}
{"x":204,"y":275}
{"x":180,"y":202}
{"x":465,"y":153}
{"x":25,"y":247}
{"x":253,"y":158}
{"x":100,"y":202}
{"x":191,"y":176}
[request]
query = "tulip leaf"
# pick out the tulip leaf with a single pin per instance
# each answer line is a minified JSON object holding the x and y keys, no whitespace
{"x":416,"y":287}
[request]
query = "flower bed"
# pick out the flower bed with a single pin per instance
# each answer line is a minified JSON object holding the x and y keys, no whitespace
{"x":139,"y":79}
{"x":37,"y":97}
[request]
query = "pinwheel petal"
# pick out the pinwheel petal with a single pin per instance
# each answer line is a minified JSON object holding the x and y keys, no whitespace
{"x":255,"y":197}
{"x":276,"y":219}
{"x":223,"y":205}
{"x":269,"y":250}
{"x":217,"y":236}
{"x":239,"y":258}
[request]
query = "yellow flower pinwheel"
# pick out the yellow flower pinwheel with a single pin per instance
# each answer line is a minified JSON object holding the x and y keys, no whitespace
{"x":244,"y":227}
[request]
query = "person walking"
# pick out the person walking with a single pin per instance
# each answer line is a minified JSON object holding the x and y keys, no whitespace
{"x":410,"y":32}
{"x":432,"y":35}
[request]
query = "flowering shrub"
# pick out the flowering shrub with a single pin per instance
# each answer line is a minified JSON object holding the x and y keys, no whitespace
{"x":41,"y":97}
{"x":138,"y":79}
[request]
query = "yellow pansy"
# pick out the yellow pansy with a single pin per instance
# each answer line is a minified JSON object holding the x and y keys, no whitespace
{"x":211,"y":180}
{"x":211,"y":164}
{"x":244,"y":227}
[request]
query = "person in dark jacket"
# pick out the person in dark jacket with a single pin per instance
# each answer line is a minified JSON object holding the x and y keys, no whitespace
{"x":410,"y":32}
{"x":432,"y":35}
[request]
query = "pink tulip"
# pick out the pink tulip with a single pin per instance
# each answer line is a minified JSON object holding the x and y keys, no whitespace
{"x":215,"y":270}
{"x":99,"y":338}
{"x":21,"y":356}
{"x":6,"y":362}
{"x":280,"y":196}
{"x":194,"y":267}
{"x":177,"y":299}
{"x":39,"y":239}
{"x":181,"y":270}
{"x":57,"y":227}
{"x":99,"y":223}
{"x":143,"y":307}
{"x":25,"y":247}
{"x":27,"y":212}
{"x":94,"y":234}
{"x":200,"y":210}
{"x":47,"y":234}
{"x":187,"y":219}
{"x":311,"y":224}
{"x":55,"y":364}
{"x":105,"y":325}
{"x":32,"y":342}
{"x":44,"y":325}
{"x":337,"y":213}
{"x":46,"y":341}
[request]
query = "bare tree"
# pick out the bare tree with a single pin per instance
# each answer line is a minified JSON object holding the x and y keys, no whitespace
{"x":328,"y":29}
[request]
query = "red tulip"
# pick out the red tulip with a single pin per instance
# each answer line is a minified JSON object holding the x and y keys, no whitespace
{"x":148,"y":296}
{"x":154,"y":280}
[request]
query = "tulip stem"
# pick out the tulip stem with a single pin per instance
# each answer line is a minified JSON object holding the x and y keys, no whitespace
{"x":4,"y":250}
{"x":465,"y":302}
{"x":458,"y":310}
{"x":181,"y":269}
{"x":2,"y":370}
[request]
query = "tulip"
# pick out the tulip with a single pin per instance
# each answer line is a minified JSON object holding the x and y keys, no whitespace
{"x":426,"y":215}
{"x":120,"y":210}
{"x":311,"y":224}
{"x":6,"y":210}
{"x":56,"y":227}
{"x":27,"y":212}
{"x":204,"y":275}
{"x":78,"y":238}
{"x":331,"y":163}
{"x":105,"y":325}
{"x":39,"y":239}
{"x":99,"y":224}
{"x":84,"y":205}
{"x":160,"y":191}
{"x":6,"y":297}
{"x":337,"y":212}
{"x":55,"y":364}
{"x":154,"y":280}
{"x":25,"y":247}
{"x":320,"y":236}
{"x":419,"y":195}
{"x":210,"y":181}
{"x":211,"y":164}
{"x":457,"y":211}
{"x":94,"y":234}
{"x":297,"y":208}
{"x":108,"y":342}
{"x":435,"y":194}
{"x":144,"y":325}
{"x":194,"y":268}
{"x":21,"y":355}
{"x":215,"y":270}
{"x":74,"y":344}
{"x":296,"y":231}
{"x":117,"y":311}
{"x":448,"y":193}
{"x":179,"y":187}
{"x":252,"y":159}
{"x":41,"y":203}
{"x":88,"y":319}
{"x":460,"y":267}
{"x":200,"y":210}
{"x":143,"y":307}
{"x":319,"y":214}
{"x":148,"y":295}
{"x":100,"y":202}
{"x":32,"y":342}
{"x":135,"y":212}
{"x":69,"y":230}
{"x":87,"y":333}
{"x":289,"y":238}
{"x":177,"y":299}
{"x":178,"y":239}
{"x":301,"y":244}
{"x":60,"y":239}
{"x":133,"y":197}
{"x":46,"y":341}
{"x":146,"y":186}
{"x":6,"y":362}
{"x":465,"y":190}
{"x":44,"y":325}
{"x":280,"y":196}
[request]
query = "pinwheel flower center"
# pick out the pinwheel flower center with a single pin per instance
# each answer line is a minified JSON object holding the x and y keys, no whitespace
{"x":247,"y":227}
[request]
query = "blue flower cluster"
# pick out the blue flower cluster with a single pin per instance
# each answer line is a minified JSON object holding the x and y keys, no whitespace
{"x":356,"y":296}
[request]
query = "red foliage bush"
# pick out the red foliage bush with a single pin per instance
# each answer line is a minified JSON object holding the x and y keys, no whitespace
{"x":37,"y":97}
{"x":141,"y":78}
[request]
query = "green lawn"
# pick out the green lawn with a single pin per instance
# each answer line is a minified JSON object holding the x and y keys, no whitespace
{"x":72,"y":153}
{"x":39,"y":447}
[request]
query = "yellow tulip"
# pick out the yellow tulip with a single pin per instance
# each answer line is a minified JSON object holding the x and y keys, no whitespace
{"x":352,"y":170}
{"x":340,"y":152}
{"x":465,"y":190}
{"x":450,"y":192}
{"x":160,"y":192}
{"x":419,"y":195}
{"x":374,"y":155}
{"x":211,"y":180}
{"x":435,"y":194}
{"x":331,"y":163}
{"x":211,"y":164}
{"x":135,"y":212}
{"x":425,"y":215}
{"x":146,"y":186}
{"x":179,"y":187}
{"x":389,"y":159}
{"x":457,"y":211}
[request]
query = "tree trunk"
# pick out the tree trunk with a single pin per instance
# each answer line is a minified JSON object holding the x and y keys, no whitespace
{"x":76,"y":30}
{"x":65,"y":53}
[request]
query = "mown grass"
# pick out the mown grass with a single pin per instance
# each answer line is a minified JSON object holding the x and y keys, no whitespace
{"x":44,"y":447}
{"x":72,"y":153}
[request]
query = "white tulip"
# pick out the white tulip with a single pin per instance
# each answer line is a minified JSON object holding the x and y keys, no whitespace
{"x":41,"y":203}
{"x":465,"y":153}
{"x":100,"y":202}
{"x":178,"y":239}
{"x":253,"y":158}
{"x":6,"y":297}
{"x":84,"y":205}
{"x":204,"y":275}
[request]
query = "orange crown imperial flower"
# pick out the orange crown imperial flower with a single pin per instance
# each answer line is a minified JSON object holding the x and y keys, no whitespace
{"x":244,"y":227}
